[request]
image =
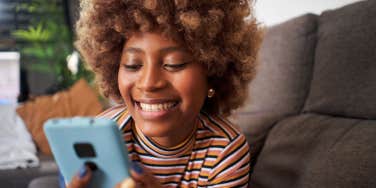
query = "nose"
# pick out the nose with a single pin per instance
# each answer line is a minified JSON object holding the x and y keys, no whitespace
{"x":151,"y":78}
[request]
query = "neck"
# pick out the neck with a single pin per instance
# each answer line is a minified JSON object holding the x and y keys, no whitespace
{"x":175,"y":138}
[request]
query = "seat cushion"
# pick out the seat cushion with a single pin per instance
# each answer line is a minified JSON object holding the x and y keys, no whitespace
{"x":45,"y":182}
{"x":345,"y":63}
{"x":314,"y":150}
{"x":22,"y":177}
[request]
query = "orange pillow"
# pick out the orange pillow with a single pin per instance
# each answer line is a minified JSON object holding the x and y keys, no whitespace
{"x":79,"y":100}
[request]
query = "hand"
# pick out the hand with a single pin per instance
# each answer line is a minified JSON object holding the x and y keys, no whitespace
{"x":81,"y":179}
{"x":141,"y":178}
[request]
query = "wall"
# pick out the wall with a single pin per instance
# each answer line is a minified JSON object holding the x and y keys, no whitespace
{"x":270,"y":12}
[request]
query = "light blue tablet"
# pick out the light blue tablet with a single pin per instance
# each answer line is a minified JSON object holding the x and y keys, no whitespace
{"x":76,"y":141}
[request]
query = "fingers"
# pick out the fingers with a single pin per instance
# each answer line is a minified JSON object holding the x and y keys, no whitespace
{"x":81,"y":179}
{"x":142,"y":177}
{"x":137,"y":171}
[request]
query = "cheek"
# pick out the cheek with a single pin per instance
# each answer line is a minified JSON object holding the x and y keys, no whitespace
{"x":125,"y":85}
{"x":193,"y":89}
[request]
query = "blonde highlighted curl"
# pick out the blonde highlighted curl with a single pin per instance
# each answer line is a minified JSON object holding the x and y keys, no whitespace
{"x":221,"y":34}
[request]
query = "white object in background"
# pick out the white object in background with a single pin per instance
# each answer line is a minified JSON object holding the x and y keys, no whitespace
{"x":73,"y":61}
{"x":9,"y":77}
{"x":17,"y":149}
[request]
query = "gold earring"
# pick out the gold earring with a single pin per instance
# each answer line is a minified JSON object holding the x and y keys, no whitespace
{"x":211,"y":93}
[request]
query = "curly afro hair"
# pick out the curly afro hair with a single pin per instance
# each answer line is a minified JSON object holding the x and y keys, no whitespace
{"x":221,"y":34}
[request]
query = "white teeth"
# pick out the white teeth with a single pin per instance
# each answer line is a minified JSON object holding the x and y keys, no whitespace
{"x":156,"y":107}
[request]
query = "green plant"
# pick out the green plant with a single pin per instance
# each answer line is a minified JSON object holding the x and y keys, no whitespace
{"x":47,"y":42}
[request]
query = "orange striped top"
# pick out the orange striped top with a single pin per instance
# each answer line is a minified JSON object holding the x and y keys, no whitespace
{"x":215,"y":155}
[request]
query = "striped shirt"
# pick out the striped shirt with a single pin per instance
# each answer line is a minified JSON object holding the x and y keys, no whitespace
{"x":215,"y":155}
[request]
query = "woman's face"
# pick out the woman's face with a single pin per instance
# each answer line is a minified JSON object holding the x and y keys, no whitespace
{"x":162,"y":86}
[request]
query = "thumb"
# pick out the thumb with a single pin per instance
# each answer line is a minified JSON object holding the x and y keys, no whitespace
{"x":81,"y":179}
{"x":127,"y":183}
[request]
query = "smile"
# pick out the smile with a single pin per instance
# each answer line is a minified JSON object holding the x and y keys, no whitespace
{"x":157,"y":107}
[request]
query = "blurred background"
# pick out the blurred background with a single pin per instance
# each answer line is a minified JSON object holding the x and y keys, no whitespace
{"x":39,"y":33}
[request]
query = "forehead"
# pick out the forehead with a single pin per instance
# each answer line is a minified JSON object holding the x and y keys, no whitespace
{"x":150,"y":41}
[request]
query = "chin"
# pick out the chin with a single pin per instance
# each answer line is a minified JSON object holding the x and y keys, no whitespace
{"x":154,"y":130}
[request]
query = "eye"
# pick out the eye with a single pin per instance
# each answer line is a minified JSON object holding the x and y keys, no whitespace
{"x":132,"y":67}
{"x":174,"y":66}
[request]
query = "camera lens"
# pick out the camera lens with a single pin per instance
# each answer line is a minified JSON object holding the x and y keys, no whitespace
{"x":84,"y":150}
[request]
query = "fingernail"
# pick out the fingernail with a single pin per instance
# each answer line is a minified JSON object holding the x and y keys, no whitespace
{"x":137,"y":168}
{"x":61,"y":180}
{"x":83,"y":171}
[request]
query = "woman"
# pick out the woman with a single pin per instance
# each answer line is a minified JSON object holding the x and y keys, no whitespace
{"x":178,"y":68}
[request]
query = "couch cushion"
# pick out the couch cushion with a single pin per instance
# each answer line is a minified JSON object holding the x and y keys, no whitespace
{"x":345,"y":63}
{"x":22,"y":177}
{"x":45,"y":182}
{"x":79,"y":100}
{"x":281,"y":84}
{"x":313,"y":150}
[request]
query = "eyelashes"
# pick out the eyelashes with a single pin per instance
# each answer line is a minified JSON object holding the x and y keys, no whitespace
{"x":172,"y":67}
{"x":132,"y":67}
{"x":175,"y":66}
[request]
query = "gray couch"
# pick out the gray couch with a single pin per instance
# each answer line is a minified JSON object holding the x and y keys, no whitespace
{"x":20,"y":178}
{"x":311,"y":117}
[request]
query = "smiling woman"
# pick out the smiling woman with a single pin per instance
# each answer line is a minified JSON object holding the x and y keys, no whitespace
{"x":177,"y":68}
{"x":162,"y":87}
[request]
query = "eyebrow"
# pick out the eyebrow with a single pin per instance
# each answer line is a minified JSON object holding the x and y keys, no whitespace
{"x":171,"y":49}
{"x":133,"y":50}
{"x":163,"y":51}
